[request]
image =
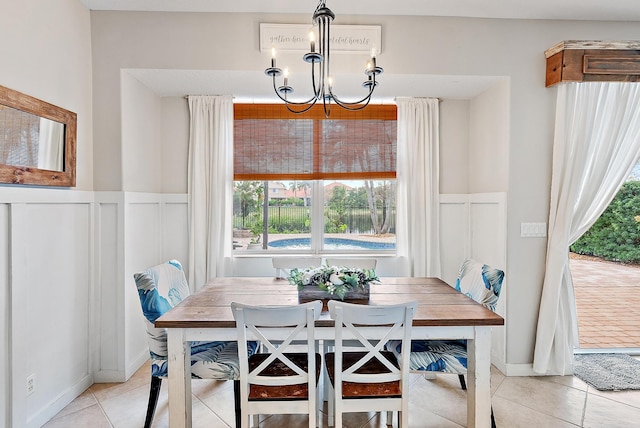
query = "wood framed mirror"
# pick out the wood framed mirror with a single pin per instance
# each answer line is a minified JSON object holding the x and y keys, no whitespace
{"x":37,"y":141}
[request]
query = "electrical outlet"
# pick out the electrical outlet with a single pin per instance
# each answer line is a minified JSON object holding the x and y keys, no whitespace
{"x":31,"y":384}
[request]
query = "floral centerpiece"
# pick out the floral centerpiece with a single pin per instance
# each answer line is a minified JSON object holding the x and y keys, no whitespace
{"x":332,"y":282}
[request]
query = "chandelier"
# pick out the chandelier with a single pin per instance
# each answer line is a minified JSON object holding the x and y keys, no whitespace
{"x":321,"y":79}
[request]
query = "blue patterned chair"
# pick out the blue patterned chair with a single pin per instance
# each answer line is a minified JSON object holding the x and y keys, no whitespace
{"x":481,"y":283}
{"x":160,"y":288}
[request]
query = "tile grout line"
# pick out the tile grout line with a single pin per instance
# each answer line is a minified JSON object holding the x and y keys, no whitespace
{"x":102,"y":409}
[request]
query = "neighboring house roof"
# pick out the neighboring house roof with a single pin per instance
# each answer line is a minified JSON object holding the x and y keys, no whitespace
{"x":330,"y":186}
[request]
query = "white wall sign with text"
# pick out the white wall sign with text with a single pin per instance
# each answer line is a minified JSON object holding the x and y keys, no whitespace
{"x":344,"y":38}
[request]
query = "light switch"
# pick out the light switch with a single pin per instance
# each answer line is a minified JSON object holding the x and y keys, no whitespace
{"x":533,"y":230}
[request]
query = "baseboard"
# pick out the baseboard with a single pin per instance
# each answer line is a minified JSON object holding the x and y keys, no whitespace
{"x":117,"y":376}
{"x":137,"y":363}
{"x":45,"y":415}
{"x":500,"y":365}
{"x":109,"y":376}
{"x":520,"y":370}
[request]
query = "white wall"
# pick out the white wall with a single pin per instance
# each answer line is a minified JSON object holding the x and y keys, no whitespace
{"x":44,"y":312}
{"x":142,"y":156}
{"x":174,"y":139}
{"x":46,"y":53}
{"x":454,"y":146}
{"x":489,"y":140}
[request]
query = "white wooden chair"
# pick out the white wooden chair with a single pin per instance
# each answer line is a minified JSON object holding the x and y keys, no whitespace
{"x":282,"y":265}
{"x":352,"y":262}
{"x":371,"y":379}
{"x":278,"y":382}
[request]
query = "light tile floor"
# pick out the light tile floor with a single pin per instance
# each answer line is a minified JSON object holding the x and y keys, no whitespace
{"x":607,"y":303}
{"x":548,"y":401}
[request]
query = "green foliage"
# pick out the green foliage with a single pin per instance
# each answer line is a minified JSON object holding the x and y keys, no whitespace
{"x":257,"y":228}
{"x":337,"y":280}
{"x":246,"y":199}
{"x":336,"y":216}
{"x":615,"y":235}
{"x":289,"y":202}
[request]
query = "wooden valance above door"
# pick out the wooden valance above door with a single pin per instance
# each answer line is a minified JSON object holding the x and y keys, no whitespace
{"x":593,"y":61}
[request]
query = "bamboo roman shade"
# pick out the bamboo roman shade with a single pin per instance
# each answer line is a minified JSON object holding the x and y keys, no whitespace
{"x":271,"y":143}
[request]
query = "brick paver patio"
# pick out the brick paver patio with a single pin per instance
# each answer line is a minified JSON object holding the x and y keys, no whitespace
{"x":608,"y":303}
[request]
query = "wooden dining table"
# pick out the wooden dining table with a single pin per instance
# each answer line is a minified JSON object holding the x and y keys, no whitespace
{"x":443,"y":313}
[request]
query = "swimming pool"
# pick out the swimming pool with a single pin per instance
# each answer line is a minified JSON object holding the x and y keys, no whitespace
{"x":332,"y":244}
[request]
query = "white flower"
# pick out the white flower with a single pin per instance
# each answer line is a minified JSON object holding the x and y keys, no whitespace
{"x":306,"y":278}
{"x":335,"y":279}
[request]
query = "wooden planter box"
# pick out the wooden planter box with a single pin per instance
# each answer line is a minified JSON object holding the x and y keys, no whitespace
{"x":310,"y":293}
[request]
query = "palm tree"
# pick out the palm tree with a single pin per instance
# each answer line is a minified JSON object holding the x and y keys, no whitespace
{"x":300,"y":185}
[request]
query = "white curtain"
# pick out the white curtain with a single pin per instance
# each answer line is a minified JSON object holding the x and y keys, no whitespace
{"x":418,"y":220}
{"x":596,"y":145}
{"x":210,"y":187}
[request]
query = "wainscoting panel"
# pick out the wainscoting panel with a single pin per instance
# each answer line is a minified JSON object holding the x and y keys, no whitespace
{"x":474,"y":226}
{"x":46,"y":259}
{"x":135,"y":231}
{"x":142,"y":250}
{"x":5,"y":351}
{"x":454,"y":234}
{"x":175,"y":234}
{"x":110,"y":248}
{"x":488,"y":217}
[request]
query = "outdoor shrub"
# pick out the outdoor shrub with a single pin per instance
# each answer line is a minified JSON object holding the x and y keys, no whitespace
{"x":615,"y":235}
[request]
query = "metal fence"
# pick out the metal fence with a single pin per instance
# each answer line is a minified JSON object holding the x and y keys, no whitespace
{"x":297,"y":219}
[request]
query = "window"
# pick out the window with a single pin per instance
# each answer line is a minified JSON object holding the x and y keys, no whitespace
{"x":311,"y":184}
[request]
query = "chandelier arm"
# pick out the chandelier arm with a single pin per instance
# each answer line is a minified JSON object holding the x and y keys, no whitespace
{"x":275,"y":89}
{"x":346,"y":104}
{"x":353,"y":106}
{"x":309,"y":106}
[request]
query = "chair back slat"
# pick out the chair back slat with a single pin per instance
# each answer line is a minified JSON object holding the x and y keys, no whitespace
{"x":367,"y":377}
{"x":372,"y":327}
{"x":268,"y":377}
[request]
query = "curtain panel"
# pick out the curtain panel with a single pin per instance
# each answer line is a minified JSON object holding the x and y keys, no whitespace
{"x":418,"y":218}
{"x":596,"y":144}
{"x":210,"y":187}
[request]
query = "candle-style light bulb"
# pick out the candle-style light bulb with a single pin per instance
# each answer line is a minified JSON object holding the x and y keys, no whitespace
{"x":286,"y":77}
{"x":273,"y":56}
{"x":312,"y":39}
{"x":369,"y":66}
{"x":330,"y":82}
{"x":373,"y":57}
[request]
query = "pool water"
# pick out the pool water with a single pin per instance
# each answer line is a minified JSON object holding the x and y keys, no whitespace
{"x":332,"y":244}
